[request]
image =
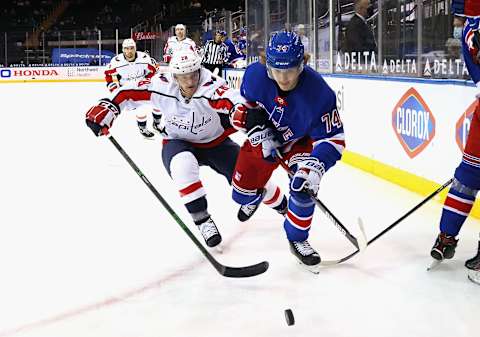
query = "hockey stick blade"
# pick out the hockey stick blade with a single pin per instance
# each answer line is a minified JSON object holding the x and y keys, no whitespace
{"x":248,"y":271}
{"x":235,"y":272}
{"x":362,"y":245}
{"x":403,"y":217}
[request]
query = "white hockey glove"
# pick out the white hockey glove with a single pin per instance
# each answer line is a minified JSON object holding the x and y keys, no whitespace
{"x":262,"y":135}
{"x":308,"y":175}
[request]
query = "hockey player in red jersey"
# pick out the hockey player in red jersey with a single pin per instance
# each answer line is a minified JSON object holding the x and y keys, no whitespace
{"x":466,"y":183}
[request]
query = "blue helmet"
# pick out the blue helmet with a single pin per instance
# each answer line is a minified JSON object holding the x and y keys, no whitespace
{"x":284,"y":50}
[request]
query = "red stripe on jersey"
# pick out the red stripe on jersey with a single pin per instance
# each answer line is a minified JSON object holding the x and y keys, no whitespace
{"x":135,"y":95}
{"x":299,"y":222}
{"x":338,"y":141}
{"x":274,"y":198}
{"x":459,"y":205}
{"x":471,"y":158}
{"x":190,"y":188}
{"x":221,"y":104}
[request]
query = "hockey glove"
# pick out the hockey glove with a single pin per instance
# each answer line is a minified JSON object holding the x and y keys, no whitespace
{"x":308,"y":175}
{"x":100,"y":117}
{"x":263,"y":136}
{"x":245,"y":119}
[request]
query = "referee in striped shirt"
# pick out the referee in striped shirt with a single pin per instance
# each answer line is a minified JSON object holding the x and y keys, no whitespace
{"x":215,"y":53}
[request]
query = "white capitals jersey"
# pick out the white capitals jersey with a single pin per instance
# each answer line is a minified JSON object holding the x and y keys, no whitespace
{"x":173,"y":45}
{"x":202,"y":120}
{"x":121,"y":71}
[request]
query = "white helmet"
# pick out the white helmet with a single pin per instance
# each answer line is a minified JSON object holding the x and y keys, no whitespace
{"x":129,"y":43}
{"x":184,"y":62}
{"x":180,"y":26}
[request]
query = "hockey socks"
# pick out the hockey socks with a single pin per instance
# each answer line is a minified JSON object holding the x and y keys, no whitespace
{"x":456,"y":208}
{"x":299,"y":217}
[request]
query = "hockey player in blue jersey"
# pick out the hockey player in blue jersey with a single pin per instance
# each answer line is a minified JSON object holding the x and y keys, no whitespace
{"x":298,"y":118}
{"x":466,"y":183}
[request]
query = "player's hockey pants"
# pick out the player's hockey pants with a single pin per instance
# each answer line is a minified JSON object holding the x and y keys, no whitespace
{"x":182,"y":160}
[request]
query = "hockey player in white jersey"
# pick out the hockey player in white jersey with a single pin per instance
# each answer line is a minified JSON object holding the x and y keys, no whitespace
{"x":178,"y":42}
{"x":131,"y":66}
{"x":195,"y":123}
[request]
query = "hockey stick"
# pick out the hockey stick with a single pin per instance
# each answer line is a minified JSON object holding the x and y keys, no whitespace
{"x":403,"y":217}
{"x":360,"y":246}
{"x":226,"y":271}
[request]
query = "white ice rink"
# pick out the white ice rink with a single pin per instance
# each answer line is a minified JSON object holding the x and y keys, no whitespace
{"x":87,"y":250}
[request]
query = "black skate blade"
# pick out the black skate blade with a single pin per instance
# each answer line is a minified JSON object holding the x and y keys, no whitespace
{"x":248,"y":271}
{"x":434,"y":265}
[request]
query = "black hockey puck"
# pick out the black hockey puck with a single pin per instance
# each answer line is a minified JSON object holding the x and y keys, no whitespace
{"x":289,"y":317}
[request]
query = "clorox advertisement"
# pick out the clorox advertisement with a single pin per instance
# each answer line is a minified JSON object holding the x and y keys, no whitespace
{"x":413,"y":123}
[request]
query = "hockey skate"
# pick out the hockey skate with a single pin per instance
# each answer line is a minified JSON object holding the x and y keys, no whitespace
{"x":210,"y":232}
{"x":146,"y":133}
{"x":306,"y":255}
{"x":246,"y":211}
{"x":473,"y":266}
{"x":444,"y":248}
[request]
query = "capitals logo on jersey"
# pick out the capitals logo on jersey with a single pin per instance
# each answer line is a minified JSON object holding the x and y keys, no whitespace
{"x":463,"y":125}
{"x":413,"y":123}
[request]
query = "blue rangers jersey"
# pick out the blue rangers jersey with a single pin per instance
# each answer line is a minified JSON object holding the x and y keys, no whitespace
{"x":309,"y":110}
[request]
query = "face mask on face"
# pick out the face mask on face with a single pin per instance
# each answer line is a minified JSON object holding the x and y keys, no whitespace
{"x":457,"y":32}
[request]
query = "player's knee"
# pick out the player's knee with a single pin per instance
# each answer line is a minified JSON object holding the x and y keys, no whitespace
{"x":185,"y":173}
{"x":184,"y":167}
{"x":468,"y":176}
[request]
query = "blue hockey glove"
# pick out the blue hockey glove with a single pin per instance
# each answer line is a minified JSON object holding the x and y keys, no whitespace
{"x":308,"y":175}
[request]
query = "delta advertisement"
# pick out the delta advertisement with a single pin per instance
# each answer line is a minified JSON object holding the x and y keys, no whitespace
{"x":417,"y":126}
